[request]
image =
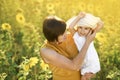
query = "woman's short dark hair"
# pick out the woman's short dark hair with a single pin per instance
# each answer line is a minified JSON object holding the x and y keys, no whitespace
{"x":53,"y":27}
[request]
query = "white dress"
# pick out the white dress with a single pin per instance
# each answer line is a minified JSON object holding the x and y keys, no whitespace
{"x":91,"y":62}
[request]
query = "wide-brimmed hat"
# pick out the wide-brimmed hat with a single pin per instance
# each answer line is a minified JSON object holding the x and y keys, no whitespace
{"x":87,"y":21}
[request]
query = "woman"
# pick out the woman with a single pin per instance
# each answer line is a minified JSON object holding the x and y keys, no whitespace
{"x":60,"y":52}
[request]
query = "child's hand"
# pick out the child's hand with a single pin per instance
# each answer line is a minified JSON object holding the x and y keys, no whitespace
{"x":90,"y":36}
{"x":82,"y":14}
{"x":100,"y":24}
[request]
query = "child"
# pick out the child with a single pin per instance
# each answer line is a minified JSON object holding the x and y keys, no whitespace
{"x":89,"y":22}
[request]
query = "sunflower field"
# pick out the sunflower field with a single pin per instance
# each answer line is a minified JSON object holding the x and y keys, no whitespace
{"x":21,"y":36}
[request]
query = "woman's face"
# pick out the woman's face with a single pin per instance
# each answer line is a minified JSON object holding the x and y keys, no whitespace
{"x":83,"y":31}
{"x":62,"y":37}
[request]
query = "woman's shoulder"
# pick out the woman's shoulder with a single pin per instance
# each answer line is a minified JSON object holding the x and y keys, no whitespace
{"x":45,"y":50}
{"x":46,"y":53}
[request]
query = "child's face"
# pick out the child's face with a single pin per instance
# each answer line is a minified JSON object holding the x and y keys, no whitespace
{"x":83,"y":31}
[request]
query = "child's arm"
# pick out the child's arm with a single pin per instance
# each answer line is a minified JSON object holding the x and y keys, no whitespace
{"x":74,"y":22}
{"x":100,"y":24}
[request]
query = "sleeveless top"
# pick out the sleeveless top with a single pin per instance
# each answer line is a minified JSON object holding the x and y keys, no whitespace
{"x":69,"y":50}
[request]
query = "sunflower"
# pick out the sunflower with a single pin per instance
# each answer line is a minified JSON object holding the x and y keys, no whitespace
{"x":33,"y":61}
{"x":99,"y":9}
{"x":19,"y":10}
{"x":6,"y":26}
{"x":90,"y":7}
{"x":3,"y":75}
{"x":101,"y":38}
{"x":20,"y":18}
{"x":111,"y":30}
{"x":43,"y":65}
{"x":51,"y":11}
{"x":82,"y":6}
{"x":26,"y":67}
{"x":50,"y":6}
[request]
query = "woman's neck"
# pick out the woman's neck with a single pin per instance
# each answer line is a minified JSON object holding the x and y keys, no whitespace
{"x":55,"y":42}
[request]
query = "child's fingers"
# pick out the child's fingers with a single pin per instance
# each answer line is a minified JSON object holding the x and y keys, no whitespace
{"x":82,"y":14}
{"x":90,"y":36}
{"x":90,"y":32}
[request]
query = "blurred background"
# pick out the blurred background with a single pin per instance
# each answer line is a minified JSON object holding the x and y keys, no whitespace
{"x":21,"y":36}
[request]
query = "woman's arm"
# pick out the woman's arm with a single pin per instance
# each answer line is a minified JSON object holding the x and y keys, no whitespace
{"x":61,"y":61}
{"x":74,"y":22}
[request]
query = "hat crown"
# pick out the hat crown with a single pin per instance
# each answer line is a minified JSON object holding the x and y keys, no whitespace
{"x":88,"y":21}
